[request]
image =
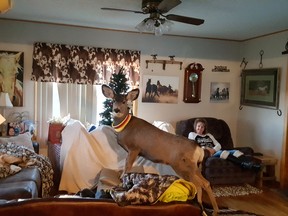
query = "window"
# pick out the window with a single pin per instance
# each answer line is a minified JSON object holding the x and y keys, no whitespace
{"x":54,"y":100}
{"x":67,"y":77}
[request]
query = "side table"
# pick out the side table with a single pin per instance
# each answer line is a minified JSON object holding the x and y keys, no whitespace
{"x":268,"y":172}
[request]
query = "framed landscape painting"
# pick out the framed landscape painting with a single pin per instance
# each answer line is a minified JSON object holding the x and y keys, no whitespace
{"x":160,"y":89}
{"x":260,"y":88}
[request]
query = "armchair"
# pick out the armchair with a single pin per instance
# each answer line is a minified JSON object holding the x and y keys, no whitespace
{"x":216,"y":170}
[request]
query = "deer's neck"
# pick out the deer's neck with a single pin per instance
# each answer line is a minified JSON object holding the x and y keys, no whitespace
{"x":119,"y":127}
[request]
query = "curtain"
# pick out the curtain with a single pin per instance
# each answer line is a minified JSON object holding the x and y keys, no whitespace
{"x":55,"y":100}
{"x":82,"y":64}
{"x":67,"y":77}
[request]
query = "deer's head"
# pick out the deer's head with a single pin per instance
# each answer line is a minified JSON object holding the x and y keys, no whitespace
{"x":120,"y":101}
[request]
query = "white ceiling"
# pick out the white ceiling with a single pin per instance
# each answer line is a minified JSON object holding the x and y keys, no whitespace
{"x":224,"y":19}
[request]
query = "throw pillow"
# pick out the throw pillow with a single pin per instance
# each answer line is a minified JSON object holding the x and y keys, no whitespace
{"x":22,"y":139}
{"x":111,"y":177}
{"x":165,"y":126}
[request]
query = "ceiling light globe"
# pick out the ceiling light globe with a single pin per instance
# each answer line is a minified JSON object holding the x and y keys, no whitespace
{"x":150,"y":25}
{"x":158,"y":31}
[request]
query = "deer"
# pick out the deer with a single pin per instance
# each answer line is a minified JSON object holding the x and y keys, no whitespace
{"x":140,"y":138}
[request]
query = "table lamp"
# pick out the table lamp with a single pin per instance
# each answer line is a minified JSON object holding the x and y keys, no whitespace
{"x":2,"y":119}
{"x":5,"y":102}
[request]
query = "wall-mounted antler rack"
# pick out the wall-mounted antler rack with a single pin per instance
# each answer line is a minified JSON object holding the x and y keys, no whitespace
{"x":163,"y":62}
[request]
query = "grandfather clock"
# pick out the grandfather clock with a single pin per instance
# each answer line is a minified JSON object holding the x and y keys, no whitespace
{"x":192,"y":83}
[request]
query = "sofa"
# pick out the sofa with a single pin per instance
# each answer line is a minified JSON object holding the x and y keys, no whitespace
{"x":24,"y":184}
{"x":101,"y":202}
{"x":216,"y":170}
{"x":23,"y":172}
{"x":87,"y":207}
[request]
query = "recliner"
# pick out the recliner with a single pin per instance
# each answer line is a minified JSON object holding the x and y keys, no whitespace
{"x":216,"y":170}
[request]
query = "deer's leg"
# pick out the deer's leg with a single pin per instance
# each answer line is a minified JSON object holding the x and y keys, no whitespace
{"x":132,"y":155}
{"x":189,"y":170}
{"x":206,"y":186}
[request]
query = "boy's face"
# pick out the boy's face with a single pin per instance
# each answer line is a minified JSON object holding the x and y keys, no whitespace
{"x":200,"y":127}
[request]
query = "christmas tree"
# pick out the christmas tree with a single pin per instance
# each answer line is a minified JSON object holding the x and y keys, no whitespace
{"x":118,"y":82}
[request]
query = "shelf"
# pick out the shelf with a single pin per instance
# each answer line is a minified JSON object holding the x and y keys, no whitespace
{"x":164,"y":62}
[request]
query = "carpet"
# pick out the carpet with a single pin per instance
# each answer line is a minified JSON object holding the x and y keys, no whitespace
{"x":241,"y":190}
{"x":231,"y":212}
{"x":225,"y":191}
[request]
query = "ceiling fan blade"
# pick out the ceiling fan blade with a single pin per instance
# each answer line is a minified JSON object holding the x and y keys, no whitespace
{"x":167,"y":5}
{"x":123,"y":10}
{"x":184,"y":19}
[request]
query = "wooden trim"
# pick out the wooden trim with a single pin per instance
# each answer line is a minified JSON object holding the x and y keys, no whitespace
{"x":284,"y":159}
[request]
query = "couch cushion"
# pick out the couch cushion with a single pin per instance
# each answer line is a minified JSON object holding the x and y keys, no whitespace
{"x":17,"y":190}
{"x":22,"y":139}
{"x":26,"y":174}
{"x":87,"y":207}
{"x":222,"y":172}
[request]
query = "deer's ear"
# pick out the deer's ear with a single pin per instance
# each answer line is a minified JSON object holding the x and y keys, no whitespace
{"x":107,"y":91}
{"x":132,"y":95}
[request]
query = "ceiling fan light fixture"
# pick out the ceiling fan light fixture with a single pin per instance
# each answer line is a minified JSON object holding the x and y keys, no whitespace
{"x":158,"y":21}
{"x":141,"y":26}
{"x":158,"y":31}
{"x":167,"y":25}
{"x":159,"y":26}
{"x":150,"y":25}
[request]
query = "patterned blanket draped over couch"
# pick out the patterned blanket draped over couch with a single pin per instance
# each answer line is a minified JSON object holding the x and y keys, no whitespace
{"x":216,"y":170}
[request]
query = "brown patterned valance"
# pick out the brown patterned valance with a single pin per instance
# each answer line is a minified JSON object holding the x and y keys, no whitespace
{"x":82,"y":64}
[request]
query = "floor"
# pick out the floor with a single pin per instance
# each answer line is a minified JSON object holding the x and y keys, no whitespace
{"x":272,"y":202}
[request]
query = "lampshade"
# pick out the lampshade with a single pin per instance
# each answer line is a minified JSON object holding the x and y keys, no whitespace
{"x":5,"y":5}
{"x":2,"y":119}
{"x":5,"y":100}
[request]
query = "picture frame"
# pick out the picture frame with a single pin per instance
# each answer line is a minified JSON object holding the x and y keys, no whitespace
{"x":14,"y":128}
{"x":160,"y":89}
{"x":260,"y":88}
{"x":219,"y":92}
{"x":12,"y":65}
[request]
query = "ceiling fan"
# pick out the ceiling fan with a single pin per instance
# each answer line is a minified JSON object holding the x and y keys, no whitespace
{"x":158,"y":21}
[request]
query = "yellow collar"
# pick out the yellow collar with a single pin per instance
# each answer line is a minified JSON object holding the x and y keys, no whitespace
{"x":118,"y":128}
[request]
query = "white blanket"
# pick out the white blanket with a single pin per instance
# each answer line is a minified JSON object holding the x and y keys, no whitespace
{"x":84,"y":154}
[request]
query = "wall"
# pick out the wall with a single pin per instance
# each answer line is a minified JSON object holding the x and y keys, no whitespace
{"x":262,"y":128}
{"x":22,"y":35}
{"x":256,"y":127}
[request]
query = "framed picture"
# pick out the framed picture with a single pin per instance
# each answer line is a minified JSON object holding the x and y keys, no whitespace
{"x":14,"y":128}
{"x":11,"y":76}
{"x":219,"y":91}
{"x":260,"y":88}
{"x":160,"y":89}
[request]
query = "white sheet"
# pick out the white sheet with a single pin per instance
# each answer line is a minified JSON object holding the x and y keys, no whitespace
{"x":84,"y":154}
